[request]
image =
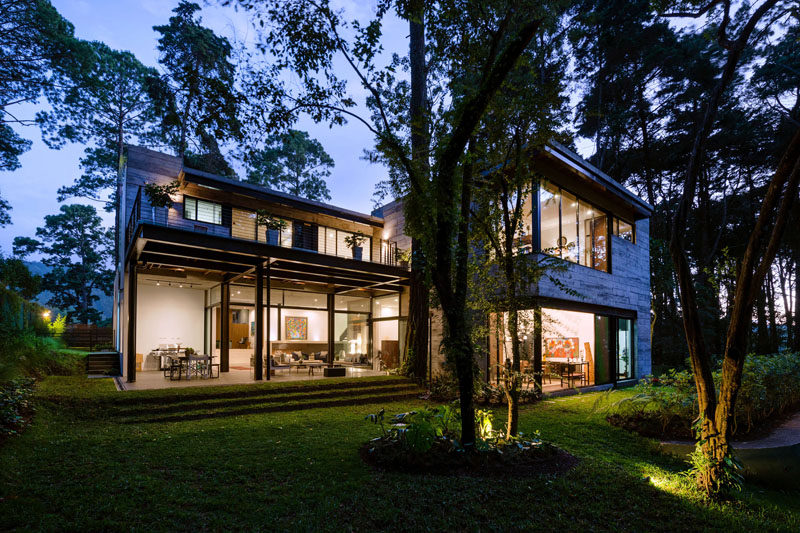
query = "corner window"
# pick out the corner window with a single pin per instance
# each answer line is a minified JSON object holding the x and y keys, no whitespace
{"x":202,"y":211}
{"x":624,"y":230}
{"x":572,"y":228}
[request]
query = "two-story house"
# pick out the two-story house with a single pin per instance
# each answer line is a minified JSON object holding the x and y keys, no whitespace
{"x":325,"y":293}
{"x":596,"y":332}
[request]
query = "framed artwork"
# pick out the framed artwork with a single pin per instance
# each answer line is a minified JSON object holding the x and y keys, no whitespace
{"x":297,"y":328}
{"x":562,"y":347}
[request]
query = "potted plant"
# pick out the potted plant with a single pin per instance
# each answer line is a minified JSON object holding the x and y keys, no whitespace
{"x":403,"y":257}
{"x":160,"y":196}
{"x":354,"y":242}
{"x":272,"y":224}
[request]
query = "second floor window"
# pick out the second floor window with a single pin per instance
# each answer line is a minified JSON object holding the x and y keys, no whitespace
{"x":572,"y":228}
{"x":202,"y":211}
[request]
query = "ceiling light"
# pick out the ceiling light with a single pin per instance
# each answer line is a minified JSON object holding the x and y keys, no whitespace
{"x":158,"y":283}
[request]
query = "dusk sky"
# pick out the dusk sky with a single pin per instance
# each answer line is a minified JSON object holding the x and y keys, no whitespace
{"x":127,"y":25}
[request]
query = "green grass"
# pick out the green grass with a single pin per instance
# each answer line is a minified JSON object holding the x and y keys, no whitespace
{"x":97,"y":459}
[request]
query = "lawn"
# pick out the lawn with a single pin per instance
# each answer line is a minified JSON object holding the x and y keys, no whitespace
{"x":283,"y":457}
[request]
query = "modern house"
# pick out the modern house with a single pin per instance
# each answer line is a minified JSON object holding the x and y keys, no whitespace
{"x":213,"y":272}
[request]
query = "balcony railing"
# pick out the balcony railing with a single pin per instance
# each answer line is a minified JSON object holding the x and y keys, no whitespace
{"x":142,"y":212}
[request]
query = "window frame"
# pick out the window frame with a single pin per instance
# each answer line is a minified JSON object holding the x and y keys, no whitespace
{"x":196,"y":200}
{"x":579,"y":198}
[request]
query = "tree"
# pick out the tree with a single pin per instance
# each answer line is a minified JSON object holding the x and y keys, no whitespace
{"x":717,"y":410}
{"x":292,"y":162}
{"x":197,"y":98}
{"x":527,"y":114}
{"x":37,"y":49}
{"x":471,"y":51}
{"x":78,"y":249}
{"x":16,"y":276}
{"x":107,"y":107}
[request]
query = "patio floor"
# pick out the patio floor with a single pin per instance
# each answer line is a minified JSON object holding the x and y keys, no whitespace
{"x":147,"y":380}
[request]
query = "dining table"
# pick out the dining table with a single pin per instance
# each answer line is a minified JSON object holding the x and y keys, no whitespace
{"x":568,"y":367}
{"x":190,"y":362}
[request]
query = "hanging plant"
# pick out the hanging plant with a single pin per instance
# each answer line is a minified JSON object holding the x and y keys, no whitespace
{"x":161,"y":195}
{"x":355,"y":240}
{"x":269,"y":221}
{"x":402,"y":256}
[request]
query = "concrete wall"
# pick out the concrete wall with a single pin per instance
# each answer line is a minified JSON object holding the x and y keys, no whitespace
{"x":627,"y":287}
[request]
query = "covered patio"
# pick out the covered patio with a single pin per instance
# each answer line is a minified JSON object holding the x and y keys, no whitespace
{"x":257,"y":311}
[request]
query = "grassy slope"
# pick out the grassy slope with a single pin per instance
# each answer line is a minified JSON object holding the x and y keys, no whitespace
{"x":95,"y":459}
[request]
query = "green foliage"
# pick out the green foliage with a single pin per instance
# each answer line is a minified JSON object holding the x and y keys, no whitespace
{"x":161,"y":195}
{"x":355,"y":240}
{"x":57,"y":326}
{"x":418,"y":431}
{"x":78,"y":249}
{"x":15,"y":275}
{"x":197,"y":100}
{"x":15,"y":405}
{"x":666,"y":406}
{"x":269,"y":221}
{"x":292,"y":162}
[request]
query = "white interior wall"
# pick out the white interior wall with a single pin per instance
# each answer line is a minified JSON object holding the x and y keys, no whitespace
{"x":563,"y":324}
{"x":317,"y":323}
{"x":167,"y":315}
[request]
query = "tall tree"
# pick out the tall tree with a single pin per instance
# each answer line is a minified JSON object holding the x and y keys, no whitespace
{"x":77,"y":248}
{"x":717,"y":410}
{"x":37,"y":49}
{"x":108,"y":106}
{"x":197,"y":97}
{"x":471,"y":50}
{"x":16,"y":276}
{"x":292,"y":162}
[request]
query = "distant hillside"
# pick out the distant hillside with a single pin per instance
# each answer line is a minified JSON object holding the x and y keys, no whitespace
{"x":104,"y":304}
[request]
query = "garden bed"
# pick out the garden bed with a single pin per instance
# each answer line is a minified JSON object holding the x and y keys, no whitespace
{"x":506,"y":461}
{"x":665,"y":407}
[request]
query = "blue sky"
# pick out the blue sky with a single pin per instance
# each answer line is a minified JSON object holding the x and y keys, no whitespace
{"x":127,"y":25}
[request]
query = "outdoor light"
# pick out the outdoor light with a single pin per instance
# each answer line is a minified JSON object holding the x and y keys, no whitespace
{"x":46,"y":314}
{"x":181,"y":285}
{"x":158,"y":283}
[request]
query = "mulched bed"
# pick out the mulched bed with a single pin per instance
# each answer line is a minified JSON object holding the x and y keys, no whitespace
{"x":542,"y":460}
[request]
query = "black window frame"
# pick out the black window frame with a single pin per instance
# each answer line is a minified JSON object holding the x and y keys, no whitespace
{"x":221,"y":211}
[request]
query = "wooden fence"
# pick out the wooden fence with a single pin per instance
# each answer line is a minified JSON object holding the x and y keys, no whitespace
{"x":87,"y":336}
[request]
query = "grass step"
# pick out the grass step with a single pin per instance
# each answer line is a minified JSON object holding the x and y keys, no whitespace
{"x":216,"y":404}
{"x":279,"y":408}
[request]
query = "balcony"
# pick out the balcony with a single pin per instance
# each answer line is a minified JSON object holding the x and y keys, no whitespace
{"x":240,"y":224}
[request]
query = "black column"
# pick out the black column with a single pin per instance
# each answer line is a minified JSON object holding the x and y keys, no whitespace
{"x":331,"y":324}
{"x":225,"y":327}
{"x":258,"y":359}
{"x":132,"y":323}
{"x":537,"y":346}
{"x":269,"y":342}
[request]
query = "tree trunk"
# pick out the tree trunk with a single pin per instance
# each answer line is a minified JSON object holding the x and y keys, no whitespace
{"x":783,"y":273}
{"x":772,"y":321}
{"x":417,"y":330}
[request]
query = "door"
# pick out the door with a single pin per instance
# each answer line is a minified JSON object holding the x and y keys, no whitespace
{"x":603,"y":369}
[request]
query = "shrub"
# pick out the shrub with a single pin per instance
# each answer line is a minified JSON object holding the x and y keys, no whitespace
{"x":15,"y":405}
{"x":666,"y":406}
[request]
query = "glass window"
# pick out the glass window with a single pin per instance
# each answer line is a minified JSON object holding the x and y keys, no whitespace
{"x":305,"y":299}
{"x":386,"y":306}
{"x":214,"y":295}
{"x":286,"y":235}
{"x":624,"y":348}
{"x":387,"y":342}
{"x":585,"y":214}
{"x":243,"y":294}
{"x":351,"y":339}
{"x":549,"y":212}
{"x":600,"y":241}
{"x":569,"y":227}
{"x":351,"y":303}
{"x":624,"y":230}
{"x":202,"y":211}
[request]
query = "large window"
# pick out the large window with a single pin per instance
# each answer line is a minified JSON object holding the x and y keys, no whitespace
{"x":202,"y":211}
{"x":572,"y":229}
